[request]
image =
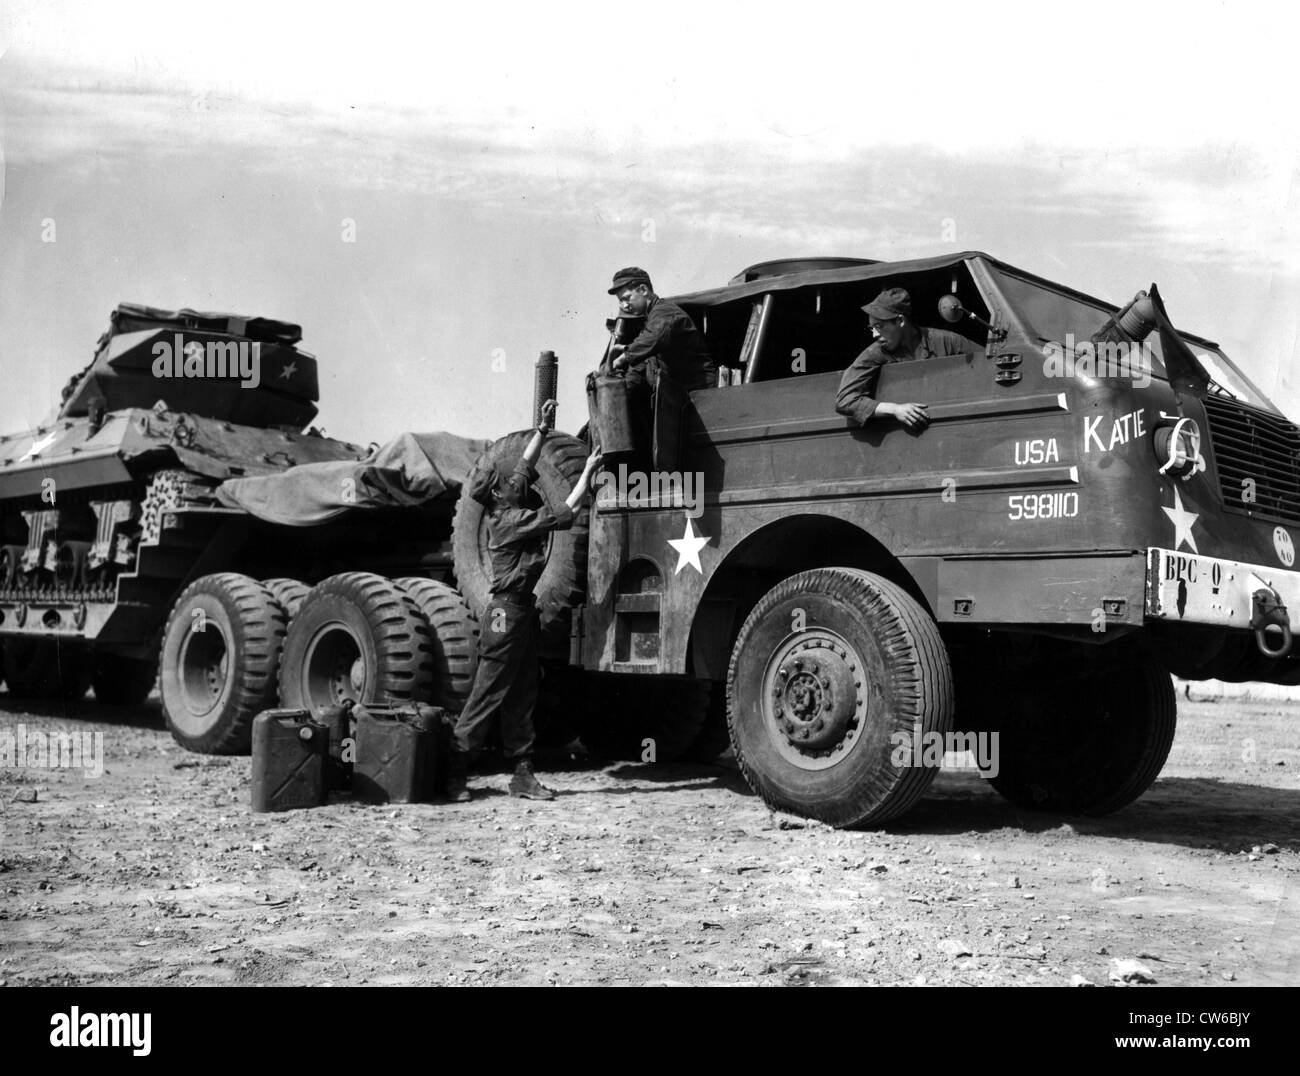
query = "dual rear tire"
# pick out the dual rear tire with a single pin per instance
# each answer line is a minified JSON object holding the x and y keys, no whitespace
{"x":234,"y":646}
{"x":1084,"y":741}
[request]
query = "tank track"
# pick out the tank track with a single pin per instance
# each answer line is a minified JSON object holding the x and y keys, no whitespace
{"x":164,"y":491}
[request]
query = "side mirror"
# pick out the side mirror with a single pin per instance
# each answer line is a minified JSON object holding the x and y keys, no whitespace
{"x":951,"y":310}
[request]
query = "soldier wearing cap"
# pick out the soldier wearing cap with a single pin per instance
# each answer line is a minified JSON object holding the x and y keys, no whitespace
{"x":668,"y":345}
{"x":505,"y":683}
{"x":669,"y":337}
{"x":899,"y":339}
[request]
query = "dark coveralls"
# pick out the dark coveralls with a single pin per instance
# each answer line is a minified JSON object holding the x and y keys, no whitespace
{"x":856,"y":397}
{"x":505,"y":685}
{"x":669,"y":338}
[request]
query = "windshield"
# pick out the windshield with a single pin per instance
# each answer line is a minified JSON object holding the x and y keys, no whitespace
{"x":1227,"y":379}
{"x":1055,"y":316}
{"x":1049,"y":314}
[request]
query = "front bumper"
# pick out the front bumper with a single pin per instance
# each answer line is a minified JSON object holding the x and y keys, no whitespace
{"x":1191,"y":589}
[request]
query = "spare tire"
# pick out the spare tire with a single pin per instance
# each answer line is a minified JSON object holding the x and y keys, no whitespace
{"x":563,"y":581}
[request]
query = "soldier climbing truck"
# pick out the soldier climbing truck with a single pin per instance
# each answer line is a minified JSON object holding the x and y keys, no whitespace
{"x":1098,"y":500}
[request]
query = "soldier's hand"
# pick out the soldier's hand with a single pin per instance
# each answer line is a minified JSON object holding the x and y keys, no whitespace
{"x":619,"y":365}
{"x":913,"y":416}
{"x":592,"y":466}
{"x":548,"y":415}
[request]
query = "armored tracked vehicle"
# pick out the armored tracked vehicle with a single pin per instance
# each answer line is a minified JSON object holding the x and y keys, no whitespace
{"x":116,"y":548}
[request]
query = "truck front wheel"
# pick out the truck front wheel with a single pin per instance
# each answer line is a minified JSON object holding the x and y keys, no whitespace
{"x":835,"y":675}
{"x":1084,"y":740}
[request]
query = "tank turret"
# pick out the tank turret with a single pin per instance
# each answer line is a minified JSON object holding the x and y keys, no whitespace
{"x":222,"y":366}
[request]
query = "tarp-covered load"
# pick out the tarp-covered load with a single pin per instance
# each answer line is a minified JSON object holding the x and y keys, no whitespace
{"x":412,"y":469}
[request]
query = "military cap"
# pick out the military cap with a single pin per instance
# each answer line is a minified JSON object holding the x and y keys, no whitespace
{"x":629,"y":276}
{"x":480,"y":485}
{"x":889,"y":304}
{"x":485,"y":478}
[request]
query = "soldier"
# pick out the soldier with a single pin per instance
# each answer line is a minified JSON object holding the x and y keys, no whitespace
{"x":505,"y":685}
{"x":899,"y":339}
{"x":669,"y":343}
{"x":669,"y":335}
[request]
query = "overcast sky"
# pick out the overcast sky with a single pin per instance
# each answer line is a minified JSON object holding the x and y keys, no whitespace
{"x":500,"y":162}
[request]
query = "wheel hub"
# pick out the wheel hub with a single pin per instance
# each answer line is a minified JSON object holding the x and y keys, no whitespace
{"x":817,"y":699}
{"x":204,"y":668}
{"x":334,"y":668}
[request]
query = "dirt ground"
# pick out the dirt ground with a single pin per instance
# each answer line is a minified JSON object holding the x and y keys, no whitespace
{"x":157,"y":872}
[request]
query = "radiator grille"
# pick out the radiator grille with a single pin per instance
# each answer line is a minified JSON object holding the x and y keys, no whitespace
{"x":1252,"y":444}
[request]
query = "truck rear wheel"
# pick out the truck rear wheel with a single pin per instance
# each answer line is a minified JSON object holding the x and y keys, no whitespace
{"x":1087,"y":743}
{"x":122,"y":681}
{"x":356,"y":637}
{"x":455,"y":638}
{"x":46,"y":669}
{"x":563,"y":581}
{"x":833,"y":675}
{"x":220,"y":658}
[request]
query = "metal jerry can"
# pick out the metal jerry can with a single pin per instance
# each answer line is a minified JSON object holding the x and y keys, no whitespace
{"x":290,"y":752}
{"x":338,"y":766}
{"x":398,"y":752}
{"x":610,"y":415}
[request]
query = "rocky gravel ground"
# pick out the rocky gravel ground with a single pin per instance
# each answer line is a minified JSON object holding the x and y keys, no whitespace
{"x":156,"y":872}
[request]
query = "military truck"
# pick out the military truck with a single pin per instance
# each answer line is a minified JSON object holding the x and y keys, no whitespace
{"x":1099,"y":500}
{"x":118,"y":554}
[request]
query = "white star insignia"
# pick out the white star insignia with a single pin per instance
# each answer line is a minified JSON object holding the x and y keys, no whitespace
{"x":288,"y":371}
{"x":39,"y":446}
{"x":688,"y":548}
{"x":1183,"y":521}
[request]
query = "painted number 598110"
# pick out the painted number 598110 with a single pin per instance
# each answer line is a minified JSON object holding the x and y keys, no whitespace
{"x":1043,"y":505}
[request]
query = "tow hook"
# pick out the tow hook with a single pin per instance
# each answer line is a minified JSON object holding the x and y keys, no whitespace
{"x":1268,"y":611}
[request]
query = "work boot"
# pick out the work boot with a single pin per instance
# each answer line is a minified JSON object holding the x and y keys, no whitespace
{"x":526,"y":785}
{"x":456,"y":790}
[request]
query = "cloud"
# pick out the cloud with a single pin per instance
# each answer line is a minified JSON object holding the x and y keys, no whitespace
{"x":805,"y":136}
{"x":1225,"y":203}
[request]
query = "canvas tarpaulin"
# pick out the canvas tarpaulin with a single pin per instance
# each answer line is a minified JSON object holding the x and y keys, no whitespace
{"x":411,"y":469}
